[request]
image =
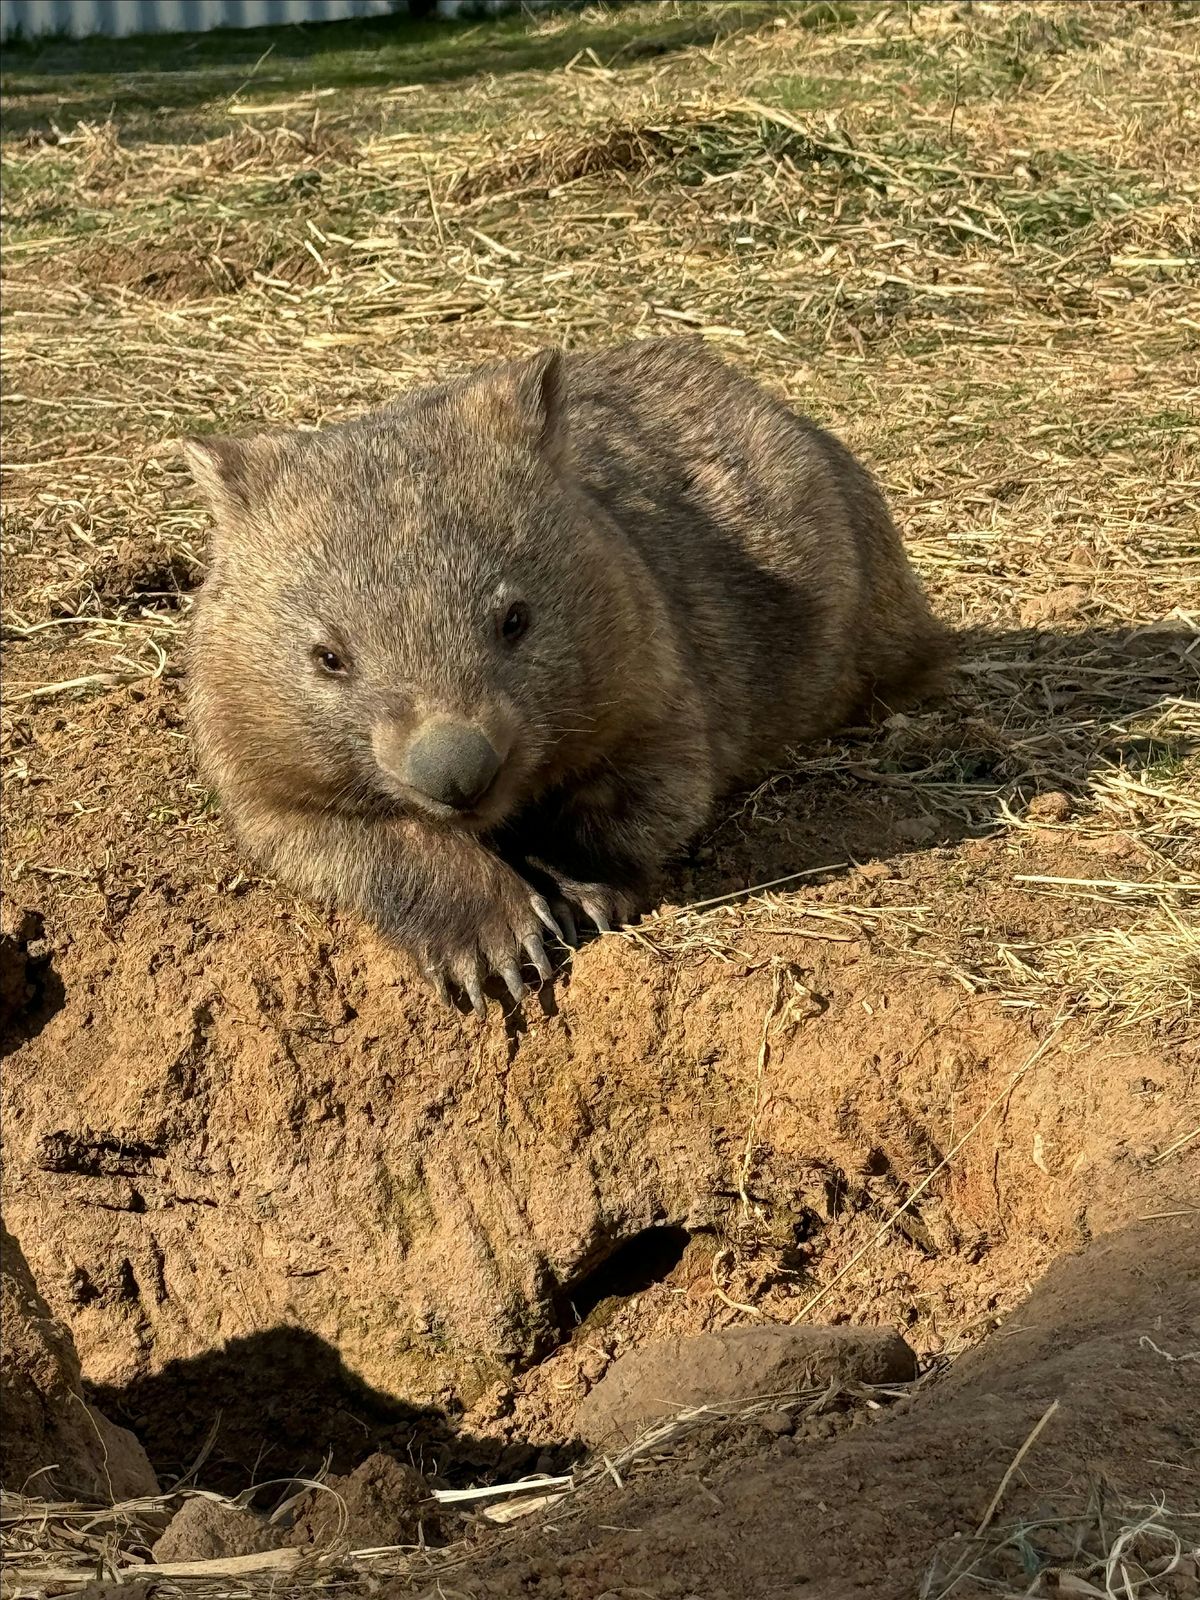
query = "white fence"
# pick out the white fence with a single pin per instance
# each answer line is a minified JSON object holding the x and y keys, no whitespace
{"x":120,"y":17}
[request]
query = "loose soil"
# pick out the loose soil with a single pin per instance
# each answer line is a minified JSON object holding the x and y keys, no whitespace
{"x":942,"y":1081}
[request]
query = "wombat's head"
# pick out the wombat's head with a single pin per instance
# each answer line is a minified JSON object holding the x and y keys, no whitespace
{"x":414,"y":609}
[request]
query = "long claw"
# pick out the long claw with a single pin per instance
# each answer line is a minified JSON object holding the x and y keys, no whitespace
{"x":470,"y":978}
{"x":475,"y":996}
{"x":544,"y":915}
{"x":512,"y":978}
{"x":536,"y":951}
{"x":437,"y":982}
{"x":593,"y":911}
{"x":566,"y":920}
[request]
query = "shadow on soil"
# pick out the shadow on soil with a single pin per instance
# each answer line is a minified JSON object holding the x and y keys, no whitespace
{"x":939,"y":778}
{"x":282,"y":1403}
{"x":31,"y":991}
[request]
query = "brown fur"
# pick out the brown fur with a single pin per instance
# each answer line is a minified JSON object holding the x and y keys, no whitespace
{"x":711,"y":579}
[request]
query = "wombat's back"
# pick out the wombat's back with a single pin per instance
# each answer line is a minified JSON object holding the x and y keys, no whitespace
{"x":793,"y":596}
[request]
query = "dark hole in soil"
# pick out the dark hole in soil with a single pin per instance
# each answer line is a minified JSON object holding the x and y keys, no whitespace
{"x":633,"y":1266}
{"x":31,"y":992}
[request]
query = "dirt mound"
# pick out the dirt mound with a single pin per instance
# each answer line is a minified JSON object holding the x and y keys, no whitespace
{"x":246,"y":1155}
{"x":1046,"y":1449}
{"x":53,"y":1441}
{"x":215,"y":1205}
{"x":287,"y":1206}
{"x":689,"y":148}
{"x":380,"y":1503}
{"x":736,"y":1364}
{"x":175,"y":268}
{"x":211,"y":1530}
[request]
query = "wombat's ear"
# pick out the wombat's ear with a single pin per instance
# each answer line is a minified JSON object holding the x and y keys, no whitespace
{"x":537,"y":389}
{"x":229,"y":472}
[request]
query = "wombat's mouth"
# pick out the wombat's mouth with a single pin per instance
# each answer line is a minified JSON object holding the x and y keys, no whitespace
{"x":485,"y":812}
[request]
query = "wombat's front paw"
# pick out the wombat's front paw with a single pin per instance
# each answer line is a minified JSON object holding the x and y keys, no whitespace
{"x":498,"y":936}
{"x":606,"y":908}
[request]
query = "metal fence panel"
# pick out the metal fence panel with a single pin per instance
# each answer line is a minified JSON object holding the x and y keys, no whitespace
{"x":81,"y":18}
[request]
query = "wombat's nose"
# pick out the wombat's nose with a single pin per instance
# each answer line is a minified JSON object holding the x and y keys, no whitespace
{"x":451,"y":764}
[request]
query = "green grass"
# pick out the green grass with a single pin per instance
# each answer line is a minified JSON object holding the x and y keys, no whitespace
{"x":148,"y":80}
{"x":919,"y":241}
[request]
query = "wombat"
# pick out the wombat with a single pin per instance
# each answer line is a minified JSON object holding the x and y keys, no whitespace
{"x":481,"y":661}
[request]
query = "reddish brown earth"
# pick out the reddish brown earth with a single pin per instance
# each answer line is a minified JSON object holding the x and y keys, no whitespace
{"x":263,"y":1175}
{"x":1100,"y":1361}
{"x":279,"y":1198}
{"x":55,"y":1444}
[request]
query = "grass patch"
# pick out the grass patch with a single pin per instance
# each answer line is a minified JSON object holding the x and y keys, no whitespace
{"x":917,"y":223}
{"x":142,"y":79}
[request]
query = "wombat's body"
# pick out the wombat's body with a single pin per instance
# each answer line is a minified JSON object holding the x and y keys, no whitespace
{"x":490,"y":654}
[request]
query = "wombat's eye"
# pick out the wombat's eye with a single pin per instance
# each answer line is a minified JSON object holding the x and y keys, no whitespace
{"x":330,"y":662}
{"x":516,"y":623}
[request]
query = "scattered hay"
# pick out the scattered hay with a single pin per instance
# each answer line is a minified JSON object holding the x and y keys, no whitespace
{"x":1149,"y":971}
{"x":939,"y":229}
{"x":1111,"y":1550}
{"x":689,"y":150}
{"x":172,"y":267}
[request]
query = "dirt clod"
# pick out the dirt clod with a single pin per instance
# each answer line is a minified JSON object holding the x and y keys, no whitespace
{"x":380,"y":1503}
{"x":777,"y":1423}
{"x":209,"y":1530}
{"x":731,"y":1366}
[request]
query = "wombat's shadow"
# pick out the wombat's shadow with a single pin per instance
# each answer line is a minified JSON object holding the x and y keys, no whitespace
{"x":281,"y":1404}
{"x":1026,"y":711}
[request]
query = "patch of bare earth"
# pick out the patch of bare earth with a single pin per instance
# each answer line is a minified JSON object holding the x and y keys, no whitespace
{"x":910,"y":1043}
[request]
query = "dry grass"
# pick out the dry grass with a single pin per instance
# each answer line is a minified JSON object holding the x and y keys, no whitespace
{"x":1108,"y":1549}
{"x":1111,"y":1550}
{"x":966,"y":239}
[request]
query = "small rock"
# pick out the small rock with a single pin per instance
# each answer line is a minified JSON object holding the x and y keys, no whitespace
{"x":875,"y":871}
{"x":593,"y":1365}
{"x":381,"y":1502}
{"x":1054,"y":806}
{"x":776,"y":1423}
{"x":733,"y":1364}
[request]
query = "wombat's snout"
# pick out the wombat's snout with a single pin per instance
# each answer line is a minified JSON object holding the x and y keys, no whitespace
{"x":450,"y":763}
